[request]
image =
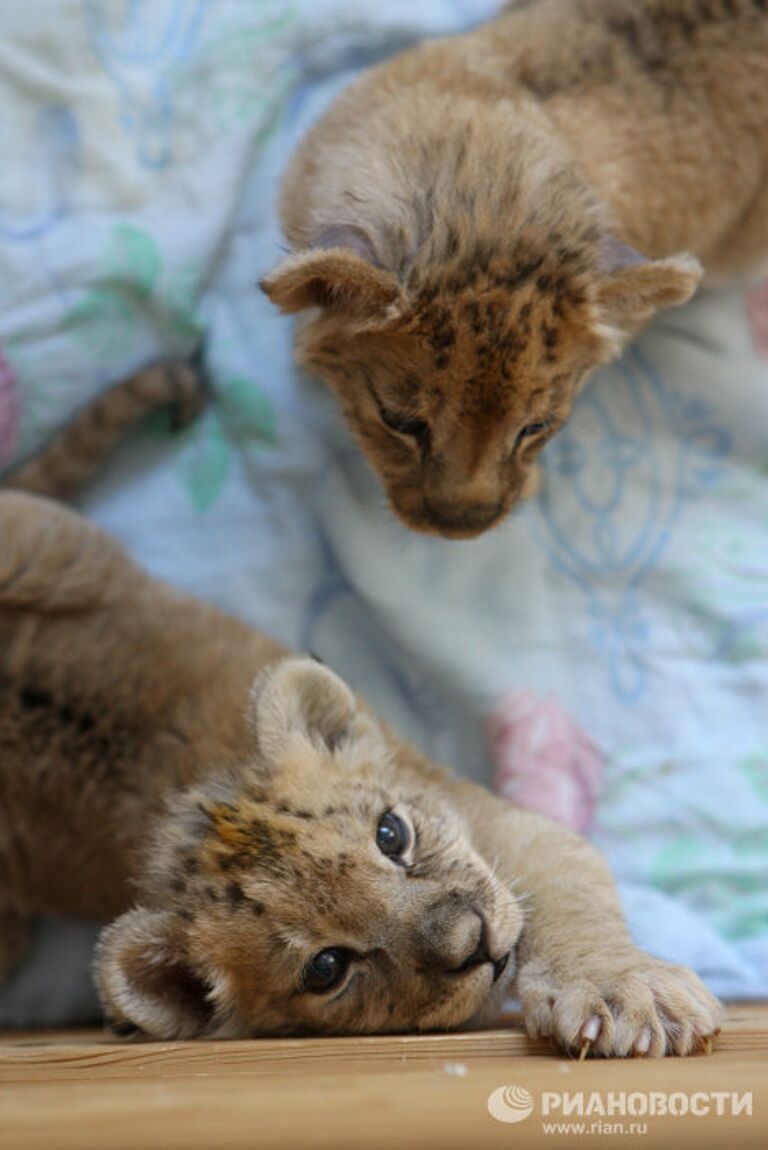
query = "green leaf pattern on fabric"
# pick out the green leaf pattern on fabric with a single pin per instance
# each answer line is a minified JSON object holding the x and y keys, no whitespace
{"x":129,"y":298}
{"x":755,"y":770}
{"x":246,"y":411}
{"x":134,"y":261}
{"x":243,"y":413}
{"x":728,"y":880}
{"x":181,"y":86}
{"x":132,"y":292}
{"x":249,"y":82}
{"x":204,"y":461}
{"x":106,"y":321}
{"x":180,"y":299}
{"x":726,"y":883}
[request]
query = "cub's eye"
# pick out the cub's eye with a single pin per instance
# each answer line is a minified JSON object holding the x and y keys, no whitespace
{"x":404,"y":425}
{"x":392,"y":835}
{"x":325,"y":970}
{"x":417,"y":429}
{"x":533,"y":429}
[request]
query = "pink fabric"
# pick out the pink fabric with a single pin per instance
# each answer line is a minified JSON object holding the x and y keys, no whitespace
{"x":10,"y":410}
{"x":544,"y":760}
{"x":757,"y":312}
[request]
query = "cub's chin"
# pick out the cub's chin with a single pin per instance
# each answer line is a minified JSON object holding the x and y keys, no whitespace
{"x":476,"y":1004}
{"x":488,"y":1012}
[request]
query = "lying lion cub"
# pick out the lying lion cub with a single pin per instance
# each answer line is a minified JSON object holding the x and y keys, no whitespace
{"x":275,"y":860}
{"x":479,"y":223}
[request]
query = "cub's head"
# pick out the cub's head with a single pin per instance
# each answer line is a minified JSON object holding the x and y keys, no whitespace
{"x":322,"y":887}
{"x":456,"y":364}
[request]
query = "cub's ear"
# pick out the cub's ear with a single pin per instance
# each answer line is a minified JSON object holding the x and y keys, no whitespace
{"x":633,"y":288}
{"x":145,"y":980}
{"x":299,"y":698}
{"x":340,"y":274}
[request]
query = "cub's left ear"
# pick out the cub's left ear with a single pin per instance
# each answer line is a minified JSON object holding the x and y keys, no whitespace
{"x":145,"y":979}
{"x":298,"y":697}
{"x":630,"y":293}
{"x":340,"y":275}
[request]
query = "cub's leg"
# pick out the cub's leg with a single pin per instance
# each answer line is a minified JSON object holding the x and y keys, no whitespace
{"x":62,"y":466}
{"x":14,"y":937}
{"x":580,"y":978}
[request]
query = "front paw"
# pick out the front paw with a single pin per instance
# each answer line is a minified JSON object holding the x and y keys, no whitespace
{"x":642,"y":1006}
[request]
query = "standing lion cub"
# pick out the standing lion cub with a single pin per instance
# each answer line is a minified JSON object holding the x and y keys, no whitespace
{"x":274,"y":859}
{"x":479,"y":223}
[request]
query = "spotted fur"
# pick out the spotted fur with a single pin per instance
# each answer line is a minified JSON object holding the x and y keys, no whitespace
{"x":479,"y":223}
{"x":167,"y":767}
{"x":64,"y":464}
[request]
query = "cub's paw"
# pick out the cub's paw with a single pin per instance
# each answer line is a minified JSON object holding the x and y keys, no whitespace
{"x":641,"y":1007}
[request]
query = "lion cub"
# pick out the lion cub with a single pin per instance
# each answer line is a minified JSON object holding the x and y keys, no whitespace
{"x":275,"y":860}
{"x":480,"y":222}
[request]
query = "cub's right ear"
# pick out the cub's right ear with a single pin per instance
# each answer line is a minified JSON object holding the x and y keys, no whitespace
{"x":145,"y":980}
{"x":299,"y":698}
{"x":341,"y":275}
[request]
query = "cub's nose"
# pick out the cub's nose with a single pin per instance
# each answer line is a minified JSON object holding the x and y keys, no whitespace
{"x":480,"y":954}
{"x":453,"y":934}
{"x":455,"y":520}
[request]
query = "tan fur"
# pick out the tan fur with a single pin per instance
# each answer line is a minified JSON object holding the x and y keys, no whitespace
{"x":69,"y":459}
{"x":480,"y":222}
{"x":164,"y":763}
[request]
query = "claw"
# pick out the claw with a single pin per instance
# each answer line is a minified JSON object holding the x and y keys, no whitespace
{"x":589,"y":1033}
{"x":705,"y":1044}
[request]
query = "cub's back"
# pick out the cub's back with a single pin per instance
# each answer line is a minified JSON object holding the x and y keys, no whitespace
{"x":114,"y":690}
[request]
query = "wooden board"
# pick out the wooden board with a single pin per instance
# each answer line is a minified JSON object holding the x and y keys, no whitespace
{"x":79,"y":1090}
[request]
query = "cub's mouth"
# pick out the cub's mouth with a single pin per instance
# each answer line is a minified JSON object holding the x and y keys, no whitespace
{"x":500,"y":966}
{"x":483,"y":955}
{"x":457,"y":515}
